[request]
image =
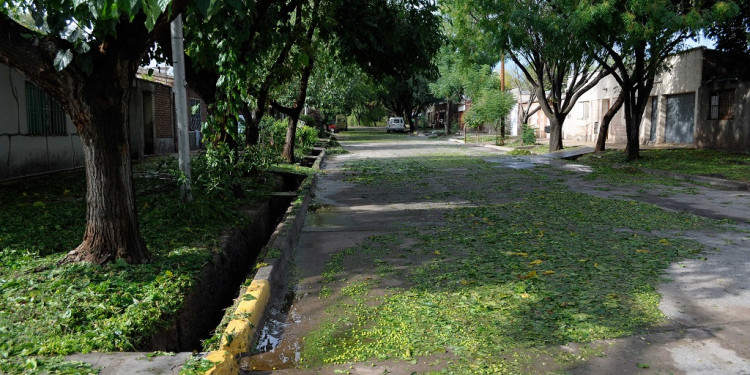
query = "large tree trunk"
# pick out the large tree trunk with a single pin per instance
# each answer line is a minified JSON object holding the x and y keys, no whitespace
{"x":112,"y":230}
{"x":299,"y":102}
{"x":555,"y":137}
{"x":96,"y":100}
{"x":601,"y":139}
{"x":409,"y":120}
{"x":635,"y":105}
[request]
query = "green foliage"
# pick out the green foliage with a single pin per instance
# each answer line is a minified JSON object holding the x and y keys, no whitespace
{"x":386,"y":38}
{"x":516,"y":278}
{"x":273,"y":136}
{"x":223,"y":172}
{"x":83,"y":307}
{"x":489,"y":106}
{"x":451,"y":79}
{"x":334,"y":148}
{"x":519,"y":152}
{"x":196,"y":365}
{"x":528,"y":135}
{"x":713,"y":163}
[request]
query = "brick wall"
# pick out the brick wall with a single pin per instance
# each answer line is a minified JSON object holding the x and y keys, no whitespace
{"x":163,"y":108}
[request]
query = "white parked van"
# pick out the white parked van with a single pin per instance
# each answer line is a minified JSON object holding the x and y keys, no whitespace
{"x":396,"y":124}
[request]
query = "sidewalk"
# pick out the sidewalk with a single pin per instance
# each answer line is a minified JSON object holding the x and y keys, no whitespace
{"x":707,"y":301}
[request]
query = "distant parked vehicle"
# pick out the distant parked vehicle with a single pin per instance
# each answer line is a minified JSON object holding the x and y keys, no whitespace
{"x":396,"y":124}
{"x":341,"y":123}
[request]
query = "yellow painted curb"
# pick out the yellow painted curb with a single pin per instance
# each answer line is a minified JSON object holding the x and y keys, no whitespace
{"x":225,"y":363}
{"x":240,"y":330}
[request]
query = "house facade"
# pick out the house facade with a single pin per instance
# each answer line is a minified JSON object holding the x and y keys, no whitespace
{"x":701,"y":100}
{"x":37,"y":136}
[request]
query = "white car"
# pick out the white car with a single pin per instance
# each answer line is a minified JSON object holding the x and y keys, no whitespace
{"x":396,"y":124}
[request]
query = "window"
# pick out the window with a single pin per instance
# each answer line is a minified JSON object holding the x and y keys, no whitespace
{"x":720,"y":105}
{"x":195,"y":114}
{"x":45,"y":116}
{"x":585,"y":110}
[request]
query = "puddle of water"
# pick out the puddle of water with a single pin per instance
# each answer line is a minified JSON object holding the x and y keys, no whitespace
{"x":275,"y":353}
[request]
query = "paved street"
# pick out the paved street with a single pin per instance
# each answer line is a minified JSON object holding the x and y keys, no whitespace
{"x":706,"y":299}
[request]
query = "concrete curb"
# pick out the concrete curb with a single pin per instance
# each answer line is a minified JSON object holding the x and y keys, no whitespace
{"x":712,"y":181}
{"x":492,"y":147}
{"x":241,"y":331}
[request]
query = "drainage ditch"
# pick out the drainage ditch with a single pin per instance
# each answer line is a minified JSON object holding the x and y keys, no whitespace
{"x":221,"y":277}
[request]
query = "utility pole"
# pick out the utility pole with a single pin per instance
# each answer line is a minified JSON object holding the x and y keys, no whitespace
{"x":502,"y":72}
{"x":180,"y":98}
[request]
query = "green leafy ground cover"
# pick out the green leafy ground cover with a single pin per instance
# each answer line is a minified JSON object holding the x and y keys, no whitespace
{"x":498,"y":286}
{"x":48,"y":310}
{"x":712,"y":163}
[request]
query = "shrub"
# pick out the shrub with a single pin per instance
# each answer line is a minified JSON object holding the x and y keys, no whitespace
{"x":273,"y":136}
{"x":518,"y":151}
{"x":528,"y":136}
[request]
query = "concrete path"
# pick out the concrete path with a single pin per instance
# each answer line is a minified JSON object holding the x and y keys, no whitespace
{"x":569,"y":153}
{"x":133,"y":363}
{"x":706,"y":300}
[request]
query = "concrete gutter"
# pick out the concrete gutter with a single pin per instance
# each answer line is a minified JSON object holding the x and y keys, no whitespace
{"x":242,"y":330}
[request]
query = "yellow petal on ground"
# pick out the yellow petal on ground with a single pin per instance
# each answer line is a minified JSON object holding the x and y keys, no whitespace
{"x":641,"y":251}
{"x":525,"y":295}
{"x":548,"y":272}
{"x":531,"y":275}
{"x":437,"y":252}
{"x":535,"y":262}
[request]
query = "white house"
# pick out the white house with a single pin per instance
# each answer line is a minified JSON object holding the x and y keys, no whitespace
{"x":701,"y":100}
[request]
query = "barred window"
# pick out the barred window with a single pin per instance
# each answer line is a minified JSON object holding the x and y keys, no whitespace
{"x":45,"y":116}
{"x":720,"y":105}
{"x":195,"y":114}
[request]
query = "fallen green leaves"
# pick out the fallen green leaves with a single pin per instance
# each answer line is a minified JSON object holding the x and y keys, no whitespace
{"x":48,"y":310}
{"x":712,"y":163}
{"x":497,"y":285}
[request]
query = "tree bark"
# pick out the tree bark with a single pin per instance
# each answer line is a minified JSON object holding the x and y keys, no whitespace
{"x":555,"y":137}
{"x":96,"y":100}
{"x":299,"y":101}
{"x":601,"y":139}
{"x":447,"y":121}
{"x":409,"y":120}
{"x":112,"y":230}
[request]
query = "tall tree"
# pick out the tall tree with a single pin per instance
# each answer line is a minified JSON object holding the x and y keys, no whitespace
{"x":490,"y":105}
{"x":732,"y":34}
{"x":638,"y":36}
{"x":537,"y":37}
{"x":449,"y":86}
{"x":406,"y":97}
{"x":522,"y":85}
{"x":86,"y":56}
